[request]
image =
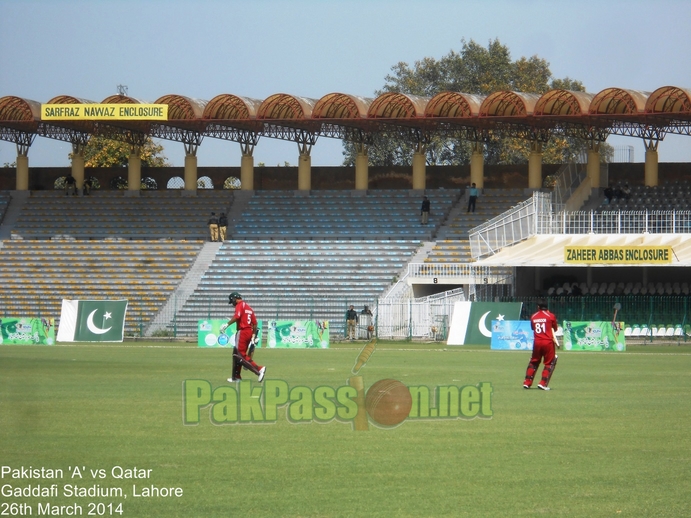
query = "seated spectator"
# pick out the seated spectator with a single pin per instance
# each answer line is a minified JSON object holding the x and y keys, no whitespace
{"x":626,"y":191}
{"x":609,"y":194}
{"x":618,"y":194}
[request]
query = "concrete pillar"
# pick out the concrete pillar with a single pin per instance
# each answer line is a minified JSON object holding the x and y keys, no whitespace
{"x":190,"y":172}
{"x":361,"y":170}
{"x":651,"y":166}
{"x":419,"y":170}
{"x":78,"y":168}
{"x":535,"y":166}
{"x":247,"y":172}
{"x":593,"y":166}
{"x":134,"y":172}
{"x":477,"y":165}
{"x":304,"y":172}
{"x":22,"y":173}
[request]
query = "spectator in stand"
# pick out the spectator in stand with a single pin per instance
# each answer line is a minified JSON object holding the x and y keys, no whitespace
{"x":424,"y":210}
{"x":87,"y":187}
{"x":70,"y":183}
{"x":626,"y":191}
{"x":618,"y":194}
{"x":213,"y":227}
{"x":609,"y":194}
{"x":222,"y":226}
{"x":472,"y":197}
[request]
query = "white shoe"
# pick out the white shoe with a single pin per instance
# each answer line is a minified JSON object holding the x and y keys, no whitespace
{"x":526,"y":386}
{"x":234,"y":380}
{"x":262,"y":371}
{"x":542,"y":387}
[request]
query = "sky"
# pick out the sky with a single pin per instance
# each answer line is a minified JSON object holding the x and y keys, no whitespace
{"x":310,"y":48}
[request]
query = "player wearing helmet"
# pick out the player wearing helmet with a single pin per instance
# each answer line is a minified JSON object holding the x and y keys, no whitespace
{"x":244,"y":338}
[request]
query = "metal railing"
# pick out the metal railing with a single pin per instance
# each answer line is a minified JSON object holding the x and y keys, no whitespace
{"x":568,"y":178}
{"x":515,"y":225}
{"x":619,"y":222}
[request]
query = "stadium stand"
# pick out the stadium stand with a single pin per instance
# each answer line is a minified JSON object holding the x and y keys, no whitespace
{"x":669,"y":196}
{"x":382,"y":214}
{"x":36,"y":276}
{"x":284,"y":278}
{"x":113,"y":214}
{"x":452,"y":239}
{"x":4,"y":202}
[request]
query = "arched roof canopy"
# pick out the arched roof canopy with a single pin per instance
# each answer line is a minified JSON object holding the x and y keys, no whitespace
{"x":231,"y":107}
{"x":77,"y":131}
{"x":669,"y":100}
{"x":182,"y":108}
{"x":394,"y":105}
{"x":341,"y":106}
{"x":289,"y":117}
{"x":19,"y":120}
{"x":120,"y":99}
{"x":563,"y":103}
{"x":508,"y":104}
{"x":16,"y":109}
{"x":232,"y":117}
{"x":286,"y":107}
{"x":185,"y":122}
{"x":454,"y":104}
{"x":617,"y":101}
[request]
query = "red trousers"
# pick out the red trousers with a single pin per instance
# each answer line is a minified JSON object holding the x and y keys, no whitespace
{"x":242,"y":343}
{"x":541,"y":352}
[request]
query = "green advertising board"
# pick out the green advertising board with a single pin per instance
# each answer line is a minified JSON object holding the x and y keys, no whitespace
{"x":27,"y":331}
{"x":209,"y":333}
{"x":594,"y":336}
{"x":297,"y":334}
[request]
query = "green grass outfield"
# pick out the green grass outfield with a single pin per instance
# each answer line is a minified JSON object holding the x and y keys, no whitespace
{"x":612,"y":437}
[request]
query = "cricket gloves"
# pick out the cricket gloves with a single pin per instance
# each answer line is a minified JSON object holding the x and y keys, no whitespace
{"x":223,"y":328}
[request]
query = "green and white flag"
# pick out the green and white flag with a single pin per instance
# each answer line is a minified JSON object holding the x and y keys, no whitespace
{"x":471,"y":322}
{"x":92,"y":321}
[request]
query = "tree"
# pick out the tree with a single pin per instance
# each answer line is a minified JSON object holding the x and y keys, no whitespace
{"x":473,"y":70}
{"x":103,"y":152}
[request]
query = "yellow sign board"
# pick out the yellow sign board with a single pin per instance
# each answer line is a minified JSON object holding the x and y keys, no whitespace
{"x":618,"y":254}
{"x":104,"y":112}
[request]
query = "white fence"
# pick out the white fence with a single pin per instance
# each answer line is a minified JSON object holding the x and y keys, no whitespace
{"x":425,"y":318}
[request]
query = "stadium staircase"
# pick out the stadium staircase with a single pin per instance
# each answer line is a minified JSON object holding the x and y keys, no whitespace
{"x":452,"y":243}
{"x":161,"y":324}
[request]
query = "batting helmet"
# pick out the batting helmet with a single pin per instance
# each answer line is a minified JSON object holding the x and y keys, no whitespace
{"x":233,"y":297}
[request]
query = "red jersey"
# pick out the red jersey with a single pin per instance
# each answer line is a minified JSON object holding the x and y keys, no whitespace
{"x":244,"y":315}
{"x":543,"y":324}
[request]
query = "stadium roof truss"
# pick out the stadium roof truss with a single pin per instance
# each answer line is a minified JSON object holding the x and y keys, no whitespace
{"x":357,"y":119}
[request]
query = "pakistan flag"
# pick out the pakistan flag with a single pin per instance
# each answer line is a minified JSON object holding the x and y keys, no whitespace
{"x":92,"y":321}
{"x":471,"y":323}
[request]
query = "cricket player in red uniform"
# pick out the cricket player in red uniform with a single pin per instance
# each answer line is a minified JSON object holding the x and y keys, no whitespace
{"x":544,"y":324}
{"x":244,"y":338}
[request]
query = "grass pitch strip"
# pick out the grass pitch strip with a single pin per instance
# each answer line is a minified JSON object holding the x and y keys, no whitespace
{"x":103,"y":427}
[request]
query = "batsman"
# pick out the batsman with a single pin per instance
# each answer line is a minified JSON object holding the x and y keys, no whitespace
{"x":544,"y":325}
{"x":245,"y":338}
